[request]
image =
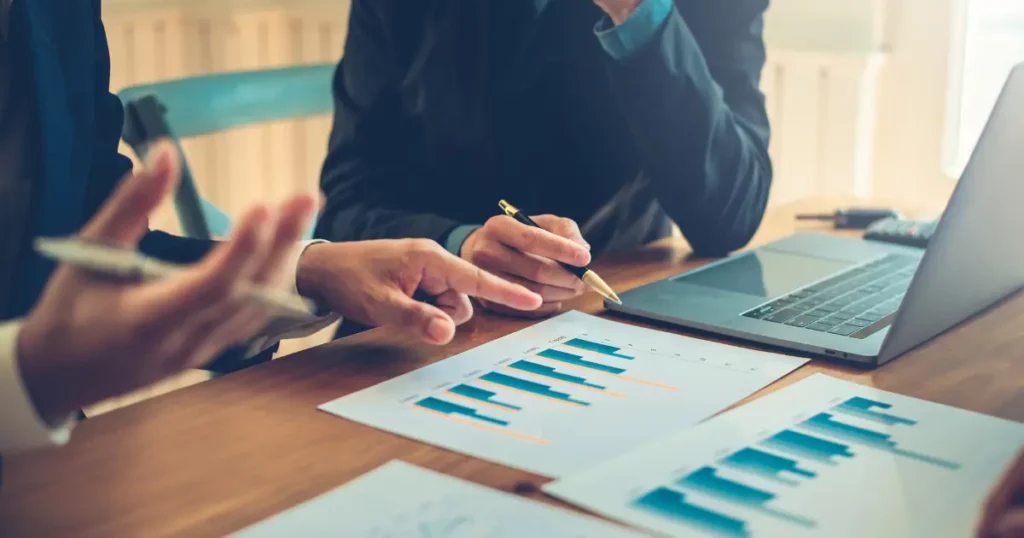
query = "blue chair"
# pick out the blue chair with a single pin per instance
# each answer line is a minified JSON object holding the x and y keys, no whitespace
{"x":196,"y":106}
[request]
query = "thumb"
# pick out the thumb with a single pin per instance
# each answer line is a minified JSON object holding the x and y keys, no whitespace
{"x":124,"y":217}
{"x":429,"y":323}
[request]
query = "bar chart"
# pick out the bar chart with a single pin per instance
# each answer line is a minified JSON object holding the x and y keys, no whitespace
{"x":565,"y":393}
{"x":841,"y":460}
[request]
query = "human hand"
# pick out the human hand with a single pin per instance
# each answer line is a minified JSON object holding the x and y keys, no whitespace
{"x":373,"y":282}
{"x":1003,"y":515}
{"x":527,"y":255}
{"x":91,"y":337}
{"x":618,"y":10}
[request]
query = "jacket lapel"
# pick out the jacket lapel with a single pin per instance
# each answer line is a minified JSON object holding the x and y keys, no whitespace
{"x":58,"y":35}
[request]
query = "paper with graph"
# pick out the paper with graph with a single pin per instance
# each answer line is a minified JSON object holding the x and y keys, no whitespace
{"x":822,"y":457}
{"x":564,"y":394}
{"x":400,"y":500}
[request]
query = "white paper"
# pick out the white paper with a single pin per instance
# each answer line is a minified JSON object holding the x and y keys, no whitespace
{"x":911,"y":468}
{"x":670,"y":383}
{"x":399,"y":500}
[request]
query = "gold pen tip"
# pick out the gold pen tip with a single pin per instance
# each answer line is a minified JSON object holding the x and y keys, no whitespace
{"x":600,"y":286}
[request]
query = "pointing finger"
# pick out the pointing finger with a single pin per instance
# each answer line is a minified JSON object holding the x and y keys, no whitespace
{"x":469,"y":279}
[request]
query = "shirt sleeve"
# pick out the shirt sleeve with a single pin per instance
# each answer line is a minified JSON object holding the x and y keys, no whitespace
{"x":620,"y":41}
{"x":21,"y":427}
{"x":456,"y":237}
{"x":284,"y":328}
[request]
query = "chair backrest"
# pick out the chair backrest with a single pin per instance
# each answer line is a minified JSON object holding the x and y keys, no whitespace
{"x":209,"y":104}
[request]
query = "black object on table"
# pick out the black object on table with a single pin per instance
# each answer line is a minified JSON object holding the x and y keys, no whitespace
{"x":853,"y":219}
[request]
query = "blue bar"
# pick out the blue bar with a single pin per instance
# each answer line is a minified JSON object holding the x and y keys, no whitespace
{"x":824,"y":423}
{"x":547,"y":371}
{"x":765,"y":465}
{"x":569,"y":358}
{"x":807,"y":446}
{"x":672,"y":505}
{"x":481,"y":395}
{"x":528,"y":386}
{"x":449,"y":408}
{"x":863,"y":408}
{"x":603,"y":349}
{"x":707,"y":481}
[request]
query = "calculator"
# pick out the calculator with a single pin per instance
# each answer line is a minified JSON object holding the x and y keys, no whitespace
{"x":908,"y":232}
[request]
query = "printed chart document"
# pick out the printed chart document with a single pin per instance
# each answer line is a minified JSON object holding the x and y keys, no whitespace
{"x":823,"y":457}
{"x":399,"y":500}
{"x":564,"y":394}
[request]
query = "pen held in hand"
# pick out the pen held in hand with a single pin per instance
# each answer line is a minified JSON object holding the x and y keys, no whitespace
{"x":585,"y":274}
{"x":132,"y":265}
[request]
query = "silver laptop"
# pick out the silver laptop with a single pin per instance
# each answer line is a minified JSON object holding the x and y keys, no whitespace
{"x":867,"y":301}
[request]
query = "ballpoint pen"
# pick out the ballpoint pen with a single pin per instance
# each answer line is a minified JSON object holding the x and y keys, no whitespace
{"x":588,"y":276}
{"x":132,"y":265}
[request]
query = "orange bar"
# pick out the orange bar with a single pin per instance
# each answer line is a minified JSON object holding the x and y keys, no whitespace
{"x":569,"y":383}
{"x":608,"y":374}
{"x":541,"y":396}
{"x":484,"y":426}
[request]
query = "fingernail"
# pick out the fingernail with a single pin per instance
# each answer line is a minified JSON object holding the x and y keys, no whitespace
{"x":437,"y":329}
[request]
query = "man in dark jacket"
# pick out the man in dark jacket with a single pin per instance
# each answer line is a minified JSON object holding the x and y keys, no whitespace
{"x":86,"y":338}
{"x":652,"y":116}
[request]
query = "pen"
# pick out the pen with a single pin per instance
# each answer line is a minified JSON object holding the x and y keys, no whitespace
{"x":585,"y":274}
{"x":133,"y":265}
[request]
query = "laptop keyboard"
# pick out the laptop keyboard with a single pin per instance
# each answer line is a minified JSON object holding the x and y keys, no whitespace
{"x":846,"y":303}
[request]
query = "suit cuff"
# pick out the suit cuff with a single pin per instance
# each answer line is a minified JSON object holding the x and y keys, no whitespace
{"x":622,"y":40}
{"x":456,"y":237}
{"x":21,"y":427}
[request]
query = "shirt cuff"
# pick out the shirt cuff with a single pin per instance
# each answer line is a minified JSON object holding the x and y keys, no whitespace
{"x":622,"y":40}
{"x":21,"y":427}
{"x":456,"y":237}
{"x":284,"y":328}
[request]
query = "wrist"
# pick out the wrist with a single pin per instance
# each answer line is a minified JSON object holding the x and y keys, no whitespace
{"x":311,"y":270}
{"x":43,"y":374}
{"x":620,"y":11}
{"x":467,"y":245}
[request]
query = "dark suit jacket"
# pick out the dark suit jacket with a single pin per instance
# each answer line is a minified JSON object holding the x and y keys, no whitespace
{"x":62,"y":46}
{"x":676,"y":131}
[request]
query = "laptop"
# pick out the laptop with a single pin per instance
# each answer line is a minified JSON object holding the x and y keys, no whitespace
{"x":861,"y":300}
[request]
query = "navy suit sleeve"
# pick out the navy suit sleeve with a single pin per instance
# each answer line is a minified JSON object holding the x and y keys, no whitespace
{"x":109,"y":166}
{"x":692,"y":101}
{"x":369,"y":143}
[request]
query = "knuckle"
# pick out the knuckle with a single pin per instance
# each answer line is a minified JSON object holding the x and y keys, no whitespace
{"x":493,"y":223}
{"x":424,"y":246}
{"x":530,"y":237}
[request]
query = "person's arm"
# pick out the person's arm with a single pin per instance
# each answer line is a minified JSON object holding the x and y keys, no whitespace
{"x":687,"y":77}
{"x":21,"y":427}
{"x":370,"y":144}
{"x":109,"y":166}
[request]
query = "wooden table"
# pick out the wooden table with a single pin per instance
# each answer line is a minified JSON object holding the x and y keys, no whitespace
{"x":213,"y":458}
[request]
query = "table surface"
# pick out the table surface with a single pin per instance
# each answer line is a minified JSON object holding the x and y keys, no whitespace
{"x":213,"y":458}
